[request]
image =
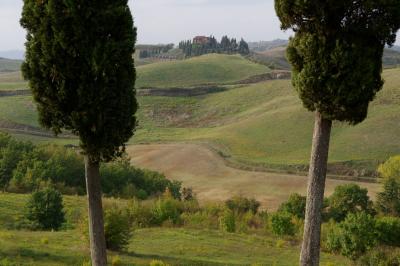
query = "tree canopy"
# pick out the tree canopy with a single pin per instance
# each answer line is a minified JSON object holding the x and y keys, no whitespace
{"x":337,"y":51}
{"x":80,"y":70}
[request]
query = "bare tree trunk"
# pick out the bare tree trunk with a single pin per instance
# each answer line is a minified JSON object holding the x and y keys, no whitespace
{"x":96,"y":224}
{"x":315,"y":195}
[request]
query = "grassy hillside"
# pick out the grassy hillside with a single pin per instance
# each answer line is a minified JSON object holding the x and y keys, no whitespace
{"x":12,"y":81}
{"x":9,"y":65}
{"x":176,"y":246}
{"x":211,"y":68}
{"x":262,"y":124}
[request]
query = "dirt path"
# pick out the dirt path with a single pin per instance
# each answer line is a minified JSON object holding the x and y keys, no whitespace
{"x":200,"y":168}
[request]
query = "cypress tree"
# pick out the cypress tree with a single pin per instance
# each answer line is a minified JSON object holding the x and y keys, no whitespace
{"x":336,"y":55}
{"x":80,"y":69}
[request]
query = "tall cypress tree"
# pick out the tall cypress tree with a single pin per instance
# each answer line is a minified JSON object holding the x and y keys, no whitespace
{"x":336,"y":55}
{"x":81,"y":72}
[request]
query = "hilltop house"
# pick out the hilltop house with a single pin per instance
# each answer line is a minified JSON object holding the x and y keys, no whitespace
{"x":201,"y":40}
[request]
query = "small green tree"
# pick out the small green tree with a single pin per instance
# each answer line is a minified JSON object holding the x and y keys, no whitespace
{"x":295,"y":205}
{"x":388,"y":201}
{"x":354,"y":236}
{"x":45,"y":209}
{"x":349,"y":198}
{"x":117,"y":228}
{"x":281,"y":224}
{"x":336,"y":57}
{"x":81,"y":72}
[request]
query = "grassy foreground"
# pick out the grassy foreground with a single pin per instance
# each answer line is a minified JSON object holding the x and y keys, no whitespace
{"x":176,"y":246}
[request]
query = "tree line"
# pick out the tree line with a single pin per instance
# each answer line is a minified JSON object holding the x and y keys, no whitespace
{"x":226,"y":45}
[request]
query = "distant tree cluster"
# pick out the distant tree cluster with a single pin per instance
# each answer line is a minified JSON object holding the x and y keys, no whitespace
{"x":147,"y":51}
{"x":226,"y":46}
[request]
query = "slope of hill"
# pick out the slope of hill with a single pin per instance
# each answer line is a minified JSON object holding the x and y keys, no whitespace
{"x":262,"y":124}
{"x":206,"y":69}
{"x":9,"y":65}
{"x":275,"y":56}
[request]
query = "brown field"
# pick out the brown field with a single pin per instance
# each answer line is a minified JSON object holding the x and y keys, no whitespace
{"x":212,"y":180}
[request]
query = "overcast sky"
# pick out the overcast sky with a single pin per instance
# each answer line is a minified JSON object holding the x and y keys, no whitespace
{"x":169,"y":21}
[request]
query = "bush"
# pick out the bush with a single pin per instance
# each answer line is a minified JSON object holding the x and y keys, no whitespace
{"x":167,"y":209}
{"x":227,"y":221}
{"x":390,"y":168}
{"x":281,"y":224}
{"x":117,"y":228}
{"x":240,"y":205}
{"x":296,"y":205}
{"x":388,"y":229}
{"x":380,"y":257}
{"x":45,"y":209}
{"x":139,"y":215}
{"x":347,"y":199}
{"x":354,"y":236}
{"x":388,"y":201}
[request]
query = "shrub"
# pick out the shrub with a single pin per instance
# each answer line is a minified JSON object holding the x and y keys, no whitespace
{"x":347,"y":199}
{"x":139,"y":215}
{"x":240,"y":205}
{"x":227,"y":221}
{"x":116,"y":261}
{"x":187,"y":194}
{"x":117,"y":228}
{"x":380,"y":257}
{"x":388,"y":201}
{"x":167,"y":209}
{"x":45,"y":209}
{"x":296,"y":205}
{"x":354,"y":236}
{"x":388,"y":229}
{"x":281,"y":224}
{"x":390,"y":168}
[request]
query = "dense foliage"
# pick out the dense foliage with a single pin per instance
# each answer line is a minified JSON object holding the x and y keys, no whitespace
{"x":25,"y":167}
{"x":388,"y":201}
{"x":44,"y":209}
{"x":80,"y":69}
{"x":334,"y":71}
{"x":347,"y":199}
{"x":281,"y":224}
{"x":295,"y":205}
{"x":117,"y":228}
{"x":226,"y":46}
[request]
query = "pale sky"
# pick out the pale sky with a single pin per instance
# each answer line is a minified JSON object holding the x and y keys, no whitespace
{"x":170,"y":21}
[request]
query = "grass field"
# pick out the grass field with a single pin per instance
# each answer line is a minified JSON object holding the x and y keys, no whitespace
{"x":206,"y":69}
{"x":176,"y":246}
{"x":261,"y":124}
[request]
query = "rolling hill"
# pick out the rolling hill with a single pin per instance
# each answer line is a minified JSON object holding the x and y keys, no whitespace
{"x":206,"y":69}
{"x":261,"y":124}
{"x":9,"y":65}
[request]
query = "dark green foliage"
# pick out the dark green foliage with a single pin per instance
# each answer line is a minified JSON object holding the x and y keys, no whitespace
{"x":117,"y":228}
{"x":44,"y":209}
{"x":296,"y":205}
{"x":241,"y":205}
{"x":354,"y":236}
{"x":80,"y":70}
{"x":388,"y":229}
{"x":336,"y":53}
{"x":388,"y":201}
{"x":347,"y":199}
{"x":187,"y":194}
{"x":281,"y":224}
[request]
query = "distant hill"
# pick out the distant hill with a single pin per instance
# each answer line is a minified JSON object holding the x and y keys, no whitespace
{"x":270,"y":54}
{"x":9,"y":65}
{"x":13,"y":54}
{"x":267,"y":45}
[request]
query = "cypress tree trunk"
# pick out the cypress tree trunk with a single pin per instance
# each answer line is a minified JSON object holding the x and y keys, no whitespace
{"x":96,"y":224}
{"x":315,"y":195}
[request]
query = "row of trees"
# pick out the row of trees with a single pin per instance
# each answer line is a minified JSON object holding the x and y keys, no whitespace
{"x":226,"y":45}
{"x":146,"y":51}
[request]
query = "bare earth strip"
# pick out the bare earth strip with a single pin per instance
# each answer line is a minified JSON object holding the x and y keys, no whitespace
{"x":212,"y":180}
